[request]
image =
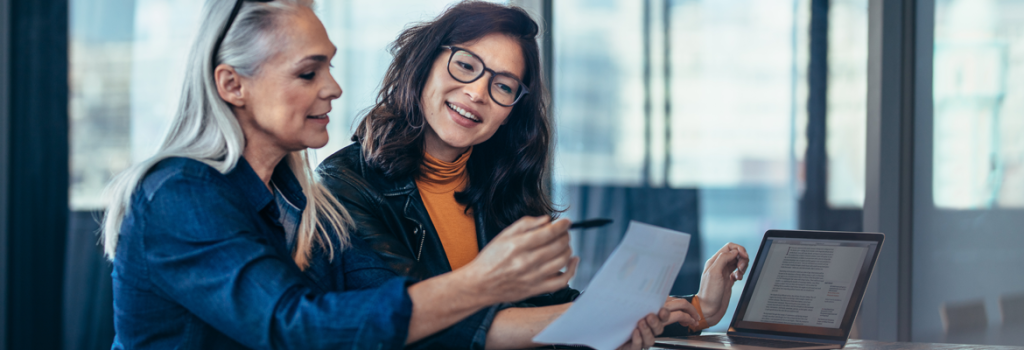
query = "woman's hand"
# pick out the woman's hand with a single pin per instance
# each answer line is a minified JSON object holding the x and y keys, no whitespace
{"x":682,"y":311}
{"x":652,"y":325}
{"x":721,"y":271}
{"x":524,"y":260}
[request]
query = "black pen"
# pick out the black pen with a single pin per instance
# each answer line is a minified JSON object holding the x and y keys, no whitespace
{"x":590,"y":223}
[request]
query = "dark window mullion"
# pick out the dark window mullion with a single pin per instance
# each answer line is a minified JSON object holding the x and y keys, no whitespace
{"x":5,"y":165}
{"x":38,"y":173}
{"x":815,"y":212}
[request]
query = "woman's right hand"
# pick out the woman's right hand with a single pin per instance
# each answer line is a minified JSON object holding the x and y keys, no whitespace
{"x":524,"y":260}
{"x":674,"y":311}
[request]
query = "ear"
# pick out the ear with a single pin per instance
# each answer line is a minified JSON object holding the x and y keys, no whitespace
{"x":229,"y":85}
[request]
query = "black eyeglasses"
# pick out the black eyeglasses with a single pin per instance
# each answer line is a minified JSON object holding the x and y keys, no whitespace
{"x":224,"y":33}
{"x":466,"y":67}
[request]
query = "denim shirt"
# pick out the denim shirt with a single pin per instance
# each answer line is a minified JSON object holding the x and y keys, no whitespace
{"x":203,"y":261}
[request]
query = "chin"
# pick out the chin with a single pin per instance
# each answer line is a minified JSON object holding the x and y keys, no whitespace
{"x":317,"y":145}
{"x":317,"y":142}
{"x":458,"y":142}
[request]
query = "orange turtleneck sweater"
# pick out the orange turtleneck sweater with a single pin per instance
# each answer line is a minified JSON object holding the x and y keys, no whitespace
{"x":437,"y":184}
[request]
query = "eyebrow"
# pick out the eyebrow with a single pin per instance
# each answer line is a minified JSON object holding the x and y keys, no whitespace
{"x":316,"y":58}
{"x":510,"y":73}
{"x":499,"y":71}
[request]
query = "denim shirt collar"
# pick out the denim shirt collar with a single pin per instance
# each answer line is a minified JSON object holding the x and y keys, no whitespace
{"x":284,"y":206}
{"x":288,"y":184}
{"x":255,"y":191}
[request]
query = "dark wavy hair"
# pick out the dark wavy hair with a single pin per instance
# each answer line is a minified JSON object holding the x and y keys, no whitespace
{"x":510,"y":167}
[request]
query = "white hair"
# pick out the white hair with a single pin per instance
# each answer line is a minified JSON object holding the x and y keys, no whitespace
{"x":205,"y":128}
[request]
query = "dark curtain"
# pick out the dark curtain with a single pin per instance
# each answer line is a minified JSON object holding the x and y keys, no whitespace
{"x":37,"y":172}
{"x":88,"y":299}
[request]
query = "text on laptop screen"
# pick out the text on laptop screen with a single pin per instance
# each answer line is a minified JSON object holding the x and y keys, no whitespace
{"x":807,"y":282}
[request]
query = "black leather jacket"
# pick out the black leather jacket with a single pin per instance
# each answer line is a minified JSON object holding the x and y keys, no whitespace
{"x":390,"y":216}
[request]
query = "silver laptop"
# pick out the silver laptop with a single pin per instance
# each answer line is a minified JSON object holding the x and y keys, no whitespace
{"x":804,"y":290}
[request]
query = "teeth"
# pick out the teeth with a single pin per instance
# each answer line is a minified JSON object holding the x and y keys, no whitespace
{"x":463,"y":112}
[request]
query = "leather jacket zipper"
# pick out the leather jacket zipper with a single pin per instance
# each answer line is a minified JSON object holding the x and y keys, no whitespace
{"x":423,"y":239}
{"x":418,"y":230}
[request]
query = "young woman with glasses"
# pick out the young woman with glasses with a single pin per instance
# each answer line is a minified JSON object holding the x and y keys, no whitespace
{"x":225,"y":240}
{"x":452,"y":158}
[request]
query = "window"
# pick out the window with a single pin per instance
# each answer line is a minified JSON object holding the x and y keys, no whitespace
{"x":847,"y":102}
{"x":978,"y":94}
{"x":967,"y":205}
{"x":663,"y":102}
{"x":733,"y":100}
{"x":599,"y":92}
{"x":101,"y":33}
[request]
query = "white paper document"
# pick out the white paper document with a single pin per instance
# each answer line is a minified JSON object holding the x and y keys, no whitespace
{"x":633,"y":282}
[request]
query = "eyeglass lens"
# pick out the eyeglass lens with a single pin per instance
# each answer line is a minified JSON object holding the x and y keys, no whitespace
{"x":466,"y":67}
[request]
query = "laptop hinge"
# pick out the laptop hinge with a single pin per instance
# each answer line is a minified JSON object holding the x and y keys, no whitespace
{"x":784,"y":337}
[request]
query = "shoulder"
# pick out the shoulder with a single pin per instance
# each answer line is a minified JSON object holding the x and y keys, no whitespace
{"x":348,"y":166}
{"x":343,"y":174}
{"x":175,"y":172}
{"x":182,"y":200}
{"x":183,"y":187}
{"x":346,"y":161}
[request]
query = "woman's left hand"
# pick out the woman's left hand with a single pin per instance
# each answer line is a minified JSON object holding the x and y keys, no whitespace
{"x":721,"y":271}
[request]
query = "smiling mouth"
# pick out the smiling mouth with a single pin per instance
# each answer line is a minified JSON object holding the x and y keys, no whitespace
{"x":463,"y":112}
{"x":322,"y":116}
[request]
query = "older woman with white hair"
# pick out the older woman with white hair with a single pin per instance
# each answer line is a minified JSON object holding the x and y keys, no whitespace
{"x":224,"y":239}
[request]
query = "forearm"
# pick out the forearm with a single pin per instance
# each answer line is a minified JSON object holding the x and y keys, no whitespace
{"x":514,"y":328}
{"x":442,"y":301}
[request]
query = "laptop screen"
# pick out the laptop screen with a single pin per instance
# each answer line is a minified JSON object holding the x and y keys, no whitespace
{"x":806,"y":286}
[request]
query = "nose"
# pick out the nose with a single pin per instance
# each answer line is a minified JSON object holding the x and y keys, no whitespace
{"x":477,"y":90}
{"x":332,"y":90}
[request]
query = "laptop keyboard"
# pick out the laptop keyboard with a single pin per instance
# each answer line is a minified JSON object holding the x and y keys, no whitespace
{"x":767,"y":343}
